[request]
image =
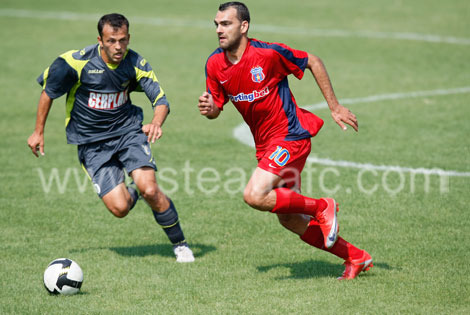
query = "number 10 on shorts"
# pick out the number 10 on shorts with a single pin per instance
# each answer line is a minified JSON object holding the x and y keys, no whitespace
{"x":280,"y":156}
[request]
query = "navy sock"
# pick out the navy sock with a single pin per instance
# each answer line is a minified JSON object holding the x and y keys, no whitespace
{"x":169,"y":222}
{"x":134,"y":195}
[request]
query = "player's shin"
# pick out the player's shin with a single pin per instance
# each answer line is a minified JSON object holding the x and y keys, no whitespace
{"x":169,"y":222}
{"x":288,"y":201}
{"x":134,"y":196}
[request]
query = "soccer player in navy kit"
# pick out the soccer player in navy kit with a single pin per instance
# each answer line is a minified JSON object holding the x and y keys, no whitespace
{"x":252,"y":74}
{"x":107,"y":127}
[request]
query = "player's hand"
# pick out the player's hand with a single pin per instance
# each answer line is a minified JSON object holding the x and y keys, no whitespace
{"x":36,"y":142}
{"x":152,"y":131}
{"x":205,"y":104}
{"x":343,"y":115}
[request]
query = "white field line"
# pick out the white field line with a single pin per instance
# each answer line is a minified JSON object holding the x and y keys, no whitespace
{"x":392,"y":96}
{"x":259,"y":28}
{"x":365,"y":34}
{"x":243,"y":134}
{"x":385,"y":168}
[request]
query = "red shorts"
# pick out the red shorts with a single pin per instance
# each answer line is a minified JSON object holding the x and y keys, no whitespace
{"x":285,"y":159}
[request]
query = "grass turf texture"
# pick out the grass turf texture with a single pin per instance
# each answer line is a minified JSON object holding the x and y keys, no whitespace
{"x":246,"y":263}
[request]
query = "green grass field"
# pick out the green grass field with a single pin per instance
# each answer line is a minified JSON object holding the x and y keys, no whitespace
{"x":401,"y":66}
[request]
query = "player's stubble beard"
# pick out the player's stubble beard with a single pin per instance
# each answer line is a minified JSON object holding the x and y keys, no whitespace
{"x":111,"y":56}
{"x":232,"y":46}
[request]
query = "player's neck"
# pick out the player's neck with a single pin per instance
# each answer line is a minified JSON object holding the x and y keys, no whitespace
{"x":235,"y":55}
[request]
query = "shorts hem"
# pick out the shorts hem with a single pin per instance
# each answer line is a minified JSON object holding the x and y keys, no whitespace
{"x":133,"y":168}
{"x":101,"y":194}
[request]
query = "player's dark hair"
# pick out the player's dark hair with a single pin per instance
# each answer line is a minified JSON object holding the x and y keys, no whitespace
{"x":242,"y":11}
{"x":116,"y":20}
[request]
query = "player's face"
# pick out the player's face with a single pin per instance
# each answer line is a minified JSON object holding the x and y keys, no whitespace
{"x":229,"y":29}
{"x":113,"y":43}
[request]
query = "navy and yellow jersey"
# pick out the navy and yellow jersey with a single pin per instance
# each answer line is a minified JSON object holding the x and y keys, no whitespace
{"x":98,"y":105}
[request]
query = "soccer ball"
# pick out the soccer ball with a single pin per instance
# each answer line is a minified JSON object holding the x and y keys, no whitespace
{"x":63,"y":276}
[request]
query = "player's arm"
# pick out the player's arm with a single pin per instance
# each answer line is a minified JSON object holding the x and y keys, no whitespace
{"x":207,"y":106}
{"x":153,"y":130}
{"x":339,"y":113}
{"x":36,"y":140}
{"x":161,"y":109}
{"x":60,"y":77}
{"x":148,"y":82}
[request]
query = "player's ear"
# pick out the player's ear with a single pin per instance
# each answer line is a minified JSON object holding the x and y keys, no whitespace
{"x":100,"y":41}
{"x":245,"y":26}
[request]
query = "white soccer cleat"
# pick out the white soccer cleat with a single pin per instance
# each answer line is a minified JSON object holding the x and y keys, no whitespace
{"x":183,"y":254}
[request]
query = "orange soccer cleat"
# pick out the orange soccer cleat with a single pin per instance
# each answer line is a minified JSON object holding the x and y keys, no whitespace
{"x":355,"y":266}
{"x":328,"y":222}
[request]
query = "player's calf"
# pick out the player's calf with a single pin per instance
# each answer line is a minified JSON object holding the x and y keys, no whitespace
{"x":295,"y":222}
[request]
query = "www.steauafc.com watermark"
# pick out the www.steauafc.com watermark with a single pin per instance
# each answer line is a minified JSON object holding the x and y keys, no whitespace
{"x":316,"y":180}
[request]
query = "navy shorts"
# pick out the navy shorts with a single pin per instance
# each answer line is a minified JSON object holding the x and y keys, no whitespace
{"x":105,"y":161}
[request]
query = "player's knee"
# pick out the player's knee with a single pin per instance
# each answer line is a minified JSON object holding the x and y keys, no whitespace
{"x":119,"y":210}
{"x":248,"y":196}
{"x":155,"y":197}
{"x":150,"y":192}
{"x":253,"y":198}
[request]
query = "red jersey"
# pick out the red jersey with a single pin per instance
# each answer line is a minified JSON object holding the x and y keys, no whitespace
{"x":257,"y":85}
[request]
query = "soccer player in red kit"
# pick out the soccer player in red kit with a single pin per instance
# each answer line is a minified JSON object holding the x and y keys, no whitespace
{"x":252,"y":74}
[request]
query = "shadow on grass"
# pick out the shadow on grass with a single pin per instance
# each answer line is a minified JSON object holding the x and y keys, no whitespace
{"x":62,"y":296}
{"x":165,"y":250}
{"x":313,"y":269}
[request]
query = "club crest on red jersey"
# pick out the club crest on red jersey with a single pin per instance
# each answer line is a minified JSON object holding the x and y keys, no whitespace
{"x":257,"y":74}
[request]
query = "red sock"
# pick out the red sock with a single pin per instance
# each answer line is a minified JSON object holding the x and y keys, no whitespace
{"x":342,"y":248}
{"x":288,"y":201}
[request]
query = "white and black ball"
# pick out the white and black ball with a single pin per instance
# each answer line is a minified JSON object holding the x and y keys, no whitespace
{"x":63,"y":276}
